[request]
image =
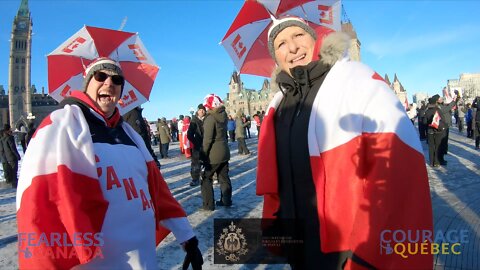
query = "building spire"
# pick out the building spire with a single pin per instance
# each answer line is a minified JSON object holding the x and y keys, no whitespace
{"x":23,"y":9}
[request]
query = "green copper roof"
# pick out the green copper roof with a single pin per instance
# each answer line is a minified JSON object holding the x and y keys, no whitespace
{"x":23,"y":10}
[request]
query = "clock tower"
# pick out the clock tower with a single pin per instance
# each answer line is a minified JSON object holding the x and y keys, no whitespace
{"x":19,"y":84}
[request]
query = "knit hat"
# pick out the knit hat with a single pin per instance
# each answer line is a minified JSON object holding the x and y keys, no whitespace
{"x":435,"y":98}
{"x":200,"y":106}
{"x":279,"y":25}
{"x":102,"y":63}
{"x":212,"y":101}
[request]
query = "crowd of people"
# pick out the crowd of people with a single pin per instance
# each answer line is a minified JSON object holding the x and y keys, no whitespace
{"x":435,"y":119}
{"x":337,"y":155}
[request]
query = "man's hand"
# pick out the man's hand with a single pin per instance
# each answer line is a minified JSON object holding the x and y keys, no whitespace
{"x":194,"y":256}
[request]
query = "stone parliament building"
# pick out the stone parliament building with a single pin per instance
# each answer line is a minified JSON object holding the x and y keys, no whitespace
{"x":22,"y":103}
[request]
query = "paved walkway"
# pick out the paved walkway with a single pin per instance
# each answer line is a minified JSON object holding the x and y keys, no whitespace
{"x":455,"y":191}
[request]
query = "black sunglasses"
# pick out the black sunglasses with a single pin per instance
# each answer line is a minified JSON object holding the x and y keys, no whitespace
{"x":102,"y":76}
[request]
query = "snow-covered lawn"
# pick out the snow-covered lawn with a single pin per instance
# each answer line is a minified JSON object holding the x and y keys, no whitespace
{"x":176,"y":171}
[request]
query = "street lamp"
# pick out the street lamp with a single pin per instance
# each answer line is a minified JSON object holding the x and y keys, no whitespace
{"x":30,"y":118}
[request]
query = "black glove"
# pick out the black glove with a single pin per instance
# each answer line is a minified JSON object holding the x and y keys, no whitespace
{"x":203,"y":157}
{"x":194,"y":256}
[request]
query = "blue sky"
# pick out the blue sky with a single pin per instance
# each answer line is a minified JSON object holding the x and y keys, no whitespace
{"x":424,"y":42}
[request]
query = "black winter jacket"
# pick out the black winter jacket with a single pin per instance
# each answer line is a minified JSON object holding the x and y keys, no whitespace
{"x":9,"y":149}
{"x":429,"y":114}
{"x":476,"y":105}
{"x":215,"y":144}
{"x":195,"y":133}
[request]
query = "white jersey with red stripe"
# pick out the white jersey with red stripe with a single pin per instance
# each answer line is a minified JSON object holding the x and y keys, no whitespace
{"x":91,"y":185}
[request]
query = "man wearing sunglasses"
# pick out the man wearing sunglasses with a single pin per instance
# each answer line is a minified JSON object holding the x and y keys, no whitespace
{"x":89,"y":187}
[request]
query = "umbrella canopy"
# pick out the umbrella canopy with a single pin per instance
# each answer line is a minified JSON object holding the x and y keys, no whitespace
{"x":67,"y":64}
{"x":247,"y":42}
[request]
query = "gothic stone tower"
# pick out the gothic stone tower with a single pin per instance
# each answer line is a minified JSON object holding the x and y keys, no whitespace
{"x":19,"y":86}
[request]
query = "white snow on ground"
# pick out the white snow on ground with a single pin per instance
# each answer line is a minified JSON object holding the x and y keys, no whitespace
{"x":8,"y":222}
{"x":176,"y":171}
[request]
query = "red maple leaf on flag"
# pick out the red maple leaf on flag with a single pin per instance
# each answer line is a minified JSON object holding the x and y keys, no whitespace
{"x":436,"y":120}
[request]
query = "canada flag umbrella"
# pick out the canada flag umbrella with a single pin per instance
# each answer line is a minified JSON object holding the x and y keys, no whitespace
{"x":247,"y":43}
{"x":67,"y":63}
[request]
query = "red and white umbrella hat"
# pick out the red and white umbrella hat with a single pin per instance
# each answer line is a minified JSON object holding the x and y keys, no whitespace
{"x":212,"y":101}
{"x":246,"y":41}
{"x":68,"y":62}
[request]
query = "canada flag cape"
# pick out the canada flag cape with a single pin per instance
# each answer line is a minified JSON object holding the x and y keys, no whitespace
{"x":367,"y":165}
{"x":76,"y":196}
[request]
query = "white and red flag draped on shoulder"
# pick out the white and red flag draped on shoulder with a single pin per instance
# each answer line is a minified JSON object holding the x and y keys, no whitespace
{"x":367,"y":167}
{"x":247,"y":43}
{"x":67,"y":63}
{"x":436,"y":120}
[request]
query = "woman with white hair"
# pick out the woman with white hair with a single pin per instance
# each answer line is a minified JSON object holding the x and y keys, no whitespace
{"x":339,"y":155}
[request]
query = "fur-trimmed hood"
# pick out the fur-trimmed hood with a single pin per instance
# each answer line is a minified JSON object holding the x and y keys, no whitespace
{"x":334,"y":47}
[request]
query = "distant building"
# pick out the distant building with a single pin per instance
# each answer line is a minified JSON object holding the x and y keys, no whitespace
{"x":249,"y":101}
{"x":468,"y":84}
{"x":398,"y":89}
{"x":419,"y":97}
{"x":354,"y":49}
{"x":22,"y":104}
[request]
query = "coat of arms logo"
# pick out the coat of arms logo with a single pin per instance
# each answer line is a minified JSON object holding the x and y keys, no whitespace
{"x":232,"y":243}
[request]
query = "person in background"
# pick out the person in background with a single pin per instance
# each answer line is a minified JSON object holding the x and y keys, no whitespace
{"x":231,"y":128}
{"x":187,"y":146}
{"x":240,"y":132}
{"x":258,"y":122}
{"x":412,"y":112}
{"x":446,"y":115}
{"x":21,"y":135}
{"x":149,"y":131}
{"x":476,"y":108}
{"x":216,"y":153}
{"x":246,"y":120}
{"x":469,"y":120}
{"x":338,"y":155}
{"x":90,"y":177}
{"x":11,"y":156}
{"x":3,"y":159}
{"x":165,"y":138}
{"x":195,"y":136}
{"x":461,"y":114}
{"x":174,"y":130}
{"x":135,"y":119}
{"x":30,"y":132}
{"x":180,"y":129}
{"x":422,"y":128}
{"x":436,"y":129}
